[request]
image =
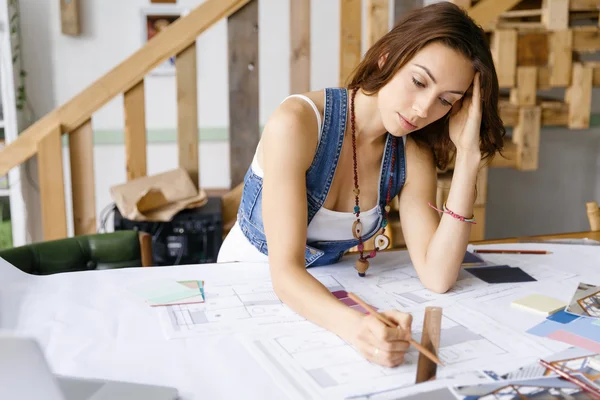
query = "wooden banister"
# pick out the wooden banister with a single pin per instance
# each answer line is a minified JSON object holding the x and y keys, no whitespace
{"x":70,"y":116}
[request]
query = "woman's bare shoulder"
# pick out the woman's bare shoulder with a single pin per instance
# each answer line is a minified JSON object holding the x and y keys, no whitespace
{"x":294,"y":125}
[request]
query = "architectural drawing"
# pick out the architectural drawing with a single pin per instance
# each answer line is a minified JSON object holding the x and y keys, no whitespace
{"x":233,"y":308}
{"x":318,"y":364}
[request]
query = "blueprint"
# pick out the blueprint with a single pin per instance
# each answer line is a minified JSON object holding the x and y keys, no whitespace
{"x":478,"y":326}
{"x":318,"y":364}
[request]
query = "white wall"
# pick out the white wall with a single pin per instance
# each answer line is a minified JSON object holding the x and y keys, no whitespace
{"x":60,"y":66}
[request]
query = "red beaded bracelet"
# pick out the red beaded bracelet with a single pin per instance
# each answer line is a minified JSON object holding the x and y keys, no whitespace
{"x":453,"y":214}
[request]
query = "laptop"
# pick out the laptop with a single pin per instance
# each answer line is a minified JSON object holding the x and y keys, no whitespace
{"x":26,"y":375}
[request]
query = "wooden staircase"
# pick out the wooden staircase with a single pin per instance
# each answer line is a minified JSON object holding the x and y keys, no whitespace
{"x":74,"y":118}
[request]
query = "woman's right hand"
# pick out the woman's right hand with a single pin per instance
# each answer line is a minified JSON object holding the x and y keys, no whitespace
{"x":381,"y":344}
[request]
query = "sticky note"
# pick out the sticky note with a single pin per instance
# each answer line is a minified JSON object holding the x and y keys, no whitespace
{"x":540,"y":304}
{"x":562,"y":317}
{"x":163,"y":291}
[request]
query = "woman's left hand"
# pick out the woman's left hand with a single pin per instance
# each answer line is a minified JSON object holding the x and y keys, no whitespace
{"x":465,"y":120}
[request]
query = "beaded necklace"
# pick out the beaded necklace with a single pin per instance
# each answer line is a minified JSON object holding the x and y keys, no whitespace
{"x":382,"y":241}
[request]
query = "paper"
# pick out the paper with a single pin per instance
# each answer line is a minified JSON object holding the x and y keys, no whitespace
{"x":92,"y":325}
{"x":585,"y":301}
{"x":318,"y":364}
{"x":472,"y":259}
{"x":161,"y":292}
{"x":571,"y":329}
{"x":540,"y":304}
{"x":231,"y":307}
{"x":158,"y":197}
{"x":501,"y":274}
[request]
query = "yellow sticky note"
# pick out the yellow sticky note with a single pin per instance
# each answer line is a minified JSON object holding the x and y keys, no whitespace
{"x":539,"y":303}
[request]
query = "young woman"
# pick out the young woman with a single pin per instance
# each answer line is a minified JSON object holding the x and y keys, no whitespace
{"x":330,"y":161}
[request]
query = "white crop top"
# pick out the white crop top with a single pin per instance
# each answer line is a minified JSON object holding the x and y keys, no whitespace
{"x":328,"y":224}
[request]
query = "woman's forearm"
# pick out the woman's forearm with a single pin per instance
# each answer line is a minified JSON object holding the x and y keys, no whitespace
{"x":312,"y":300}
{"x":447,"y":247}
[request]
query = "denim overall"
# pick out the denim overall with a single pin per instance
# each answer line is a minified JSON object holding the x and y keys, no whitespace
{"x":318,"y":181}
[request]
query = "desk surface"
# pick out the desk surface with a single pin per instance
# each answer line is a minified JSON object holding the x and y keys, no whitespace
{"x":90,"y":325}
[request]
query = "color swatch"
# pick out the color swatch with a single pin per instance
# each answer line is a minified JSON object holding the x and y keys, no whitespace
{"x":577,"y":331}
{"x":342,"y":296}
{"x":501,"y":274}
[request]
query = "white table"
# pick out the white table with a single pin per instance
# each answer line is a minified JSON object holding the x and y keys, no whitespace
{"x":90,"y":325}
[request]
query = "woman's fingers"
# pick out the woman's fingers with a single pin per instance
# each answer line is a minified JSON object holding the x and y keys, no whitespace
{"x":379,"y":355}
{"x":403,"y":321}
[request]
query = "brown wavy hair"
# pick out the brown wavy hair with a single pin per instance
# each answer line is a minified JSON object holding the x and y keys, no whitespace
{"x":450,"y":25}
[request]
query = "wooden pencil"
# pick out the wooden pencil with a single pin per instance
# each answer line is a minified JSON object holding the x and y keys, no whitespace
{"x":391,"y":324}
{"x":506,"y":251}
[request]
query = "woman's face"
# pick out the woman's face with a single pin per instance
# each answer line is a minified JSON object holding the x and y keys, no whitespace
{"x":424,"y":89}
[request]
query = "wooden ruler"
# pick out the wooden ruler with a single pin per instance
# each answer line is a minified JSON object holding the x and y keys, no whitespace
{"x":430,"y":339}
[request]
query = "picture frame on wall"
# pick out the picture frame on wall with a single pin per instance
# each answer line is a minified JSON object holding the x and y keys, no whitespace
{"x":154,"y":20}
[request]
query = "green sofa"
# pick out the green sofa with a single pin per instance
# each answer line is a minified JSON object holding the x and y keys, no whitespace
{"x":119,"y":249}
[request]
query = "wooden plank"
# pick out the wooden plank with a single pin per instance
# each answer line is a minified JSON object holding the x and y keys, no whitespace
{"x":378,"y":16}
{"x":586,"y":39}
{"x":145,"y":240}
{"x":243,"y":89}
{"x":580,"y":97}
{"x":583,"y":5}
{"x":187,"y":112}
{"x":176,"y":37}
{"x":524,"y":94}
{"x":444,"y":180}
{"x":504,"y":53}
{"x":430,"y":339}
{"x":135,"y":131}
{"x":83,"y":181}
{"x":487,"y":11}
{"x":526,"y":136}
{"x":522,"y":13}
{"x":595,"y":75}
{"x":555,"y":14}
{"x":70,"y":23}
{"x":560,"y":57}
{"x":521,"y":26}
{"x":300,"y":46}
{"x":543,"y":78}
{"x":593,"y":213}
{"x":553,"y":114}
{"x":507,"y":159}
{"x":478,"y":229}
{"x":466,"y":4}
{"x":401,"y":7}
{"x":52,"y":186}
{"x":350,"y":38}
{"x":481,"y":186}
{"x":532,"y":49}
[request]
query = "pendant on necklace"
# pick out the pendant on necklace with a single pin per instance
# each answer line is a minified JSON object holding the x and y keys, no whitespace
{"x":362,"y":266}
{"x":357,"y":229}
{"x":382,"y":242}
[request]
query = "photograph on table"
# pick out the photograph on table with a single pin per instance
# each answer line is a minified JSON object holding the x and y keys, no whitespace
{"x":585,"y":301}
{"x":539,"y":381}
